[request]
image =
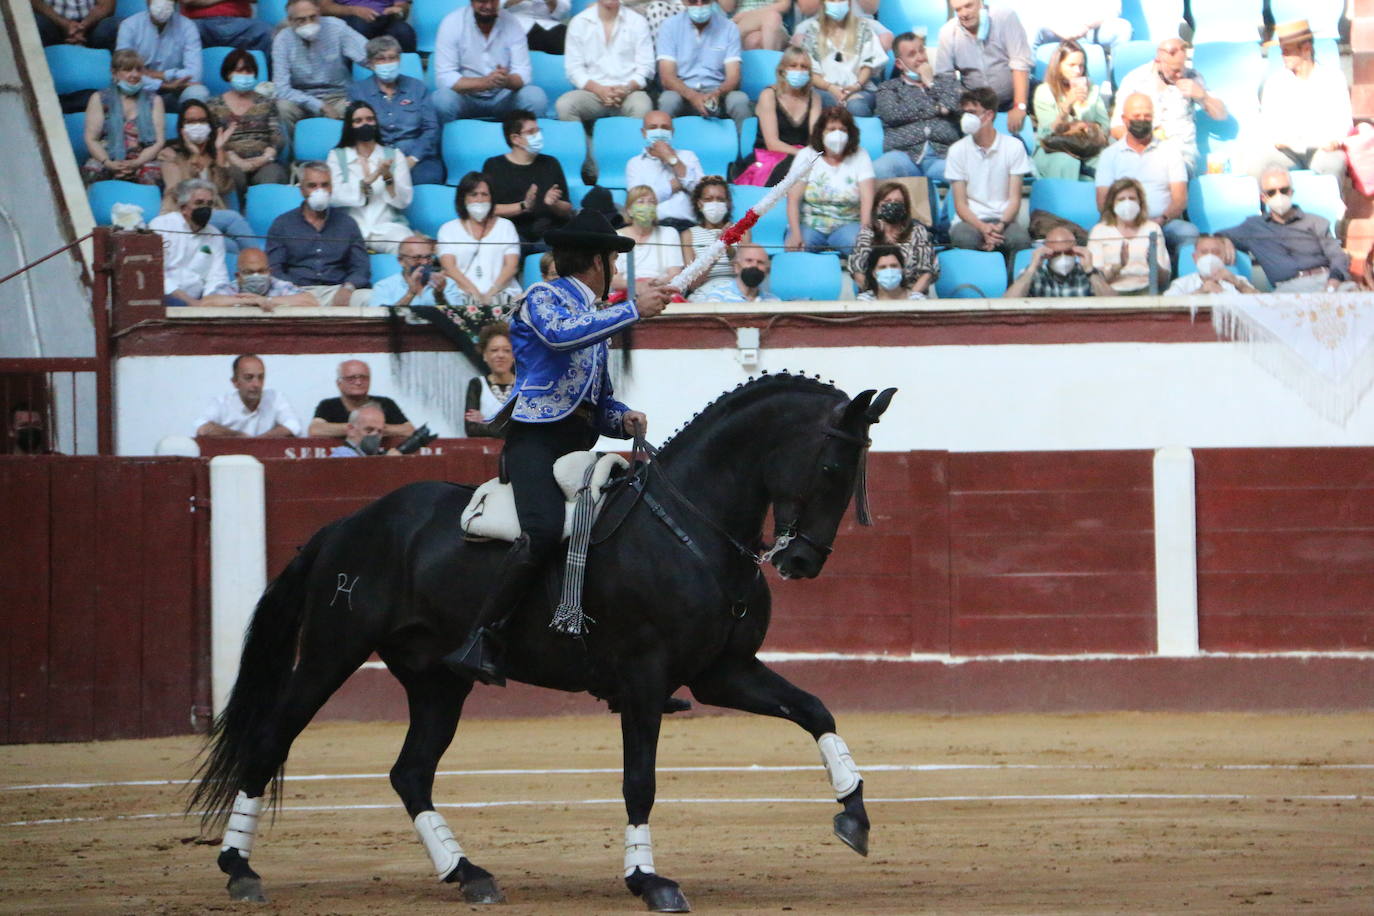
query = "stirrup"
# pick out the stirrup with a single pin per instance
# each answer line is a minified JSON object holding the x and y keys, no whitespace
{"x":479,"y":658}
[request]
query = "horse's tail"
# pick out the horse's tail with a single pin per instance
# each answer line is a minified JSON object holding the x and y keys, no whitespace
{"x":269,"y":654}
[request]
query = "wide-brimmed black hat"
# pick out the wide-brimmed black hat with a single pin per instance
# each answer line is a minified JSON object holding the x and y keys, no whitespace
{"x":588,"y":230}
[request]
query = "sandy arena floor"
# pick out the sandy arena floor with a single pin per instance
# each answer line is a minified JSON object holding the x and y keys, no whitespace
{"x":1015,"y":814}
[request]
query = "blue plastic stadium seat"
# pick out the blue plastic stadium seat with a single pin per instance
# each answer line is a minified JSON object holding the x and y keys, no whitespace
{"x":383,"y":266}
{"x":529,"y":271}
{"x":806,"y":275}
{"x":1323,"y":16}
{"x":1232,"y":70}
{"x":548,"y":74}
{"x":268,"y":201}
{"x":580,"y":5}
{"x":1073,"y":200}
{"x":430,"y":208}
{"x":75,"y":68}
{"x":103,"y":195}
{"x":169,"y":125}
{"x":466,"y":144}
{"x":1227,"y":20}
{"x":565,"y":141}
{"x":1186,"y":266}
{"x":714,"y":140}
{"x":1220,"y":138}
{"x":126,"y":8}
{"x":1027,"y":134}
{"x":212,"y":59}
{"x":273,"y":11}
{"x":1217,"y":202}
{"x":76,"y":133}
{"x":1131,"y":55}
{"x":1094,"y":56}
{"x":871,"y":135}
{"x":410,"y":66}
{"x":913,"y":15}
{"x":771,"y":230}
{"x":758,"y":69}
{"x":426,"y":16}
{"x":614,"y":141}
{"x":1319,"y":195}
{"x":748,"y":135}
{"x":314,"y":138}
{"x":967,"y":274}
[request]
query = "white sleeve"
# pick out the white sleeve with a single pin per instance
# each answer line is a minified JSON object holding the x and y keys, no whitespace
{"x":345,"y":192}
{"x":445,"y":61}
{"x":862,"y":164}
{"x":694,"y":171}
{"x":575,"y":52}
{"x":402,"y":191}
{"x":210,"y":414}
{"x":506,"y":233}
{"x":285,"y":416}
{"x":218,"y":275}
{"x":644,"y":51}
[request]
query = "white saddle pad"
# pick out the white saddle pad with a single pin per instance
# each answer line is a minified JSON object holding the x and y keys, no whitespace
{"x":491,"y":511}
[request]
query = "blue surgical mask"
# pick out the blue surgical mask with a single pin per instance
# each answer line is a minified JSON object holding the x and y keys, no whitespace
{"x":699,"y":14}
{"x":888,"y":277}
{"x":837,"y":9}
{"x":133,"y":88}
{"x":534,"y":142}
{"x":797,"y":78}
{"x":658,"y":133}
{"x":243,"y":82}
{"x":387,"y":72}
{"x":984,"y":24}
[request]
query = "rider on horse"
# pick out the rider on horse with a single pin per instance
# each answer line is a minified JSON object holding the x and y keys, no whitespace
{"x":562,"y":402}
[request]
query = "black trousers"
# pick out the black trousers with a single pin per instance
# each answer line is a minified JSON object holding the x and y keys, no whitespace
{"x":529,"y":454}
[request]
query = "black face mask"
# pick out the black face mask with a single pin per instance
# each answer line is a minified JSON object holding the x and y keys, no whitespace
{"x":365,"y":133}
{"x":1141,"y":130}
{"x":30,"y":441}
{"x":484,"y":21}
{"x":200,"y":216}
{"x":752,"y":277}
{"x":893,"y":211}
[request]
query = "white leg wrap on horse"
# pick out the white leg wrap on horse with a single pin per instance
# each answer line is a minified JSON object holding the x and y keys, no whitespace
{"x":243,"y":824}
{"x":839,"y":764}
{"x":639,"y":850}
{"x":439,"y":842}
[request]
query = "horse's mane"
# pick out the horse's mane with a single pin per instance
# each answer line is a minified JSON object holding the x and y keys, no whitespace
{"x":747,"y":393}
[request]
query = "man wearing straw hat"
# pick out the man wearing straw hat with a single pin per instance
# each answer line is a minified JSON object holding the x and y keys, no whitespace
{"x":1304,"y":109}
{"x":562,"y":402}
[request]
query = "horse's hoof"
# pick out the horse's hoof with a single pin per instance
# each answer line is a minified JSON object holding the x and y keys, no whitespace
{"x":666,"y":898}
{"x":482,"y":890}
{"x":852,"y":832}
{"x":247,"y":888}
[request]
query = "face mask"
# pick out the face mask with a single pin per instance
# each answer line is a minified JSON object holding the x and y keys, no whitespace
{"x":984,"y":25}
{"x":1126,"y":210}
{"x":656,"y":134}
{"x":370,"y":445}
{"x":699,"y":14}
{"x":534,"y":142}
{"x":797,"y":78}
{"x":970,"y":123}
{"x":198,"y":132}
{"x":365,"y":133}
{"x":308,"y":31}
{"x":645,"y":214}
{"x":888,"y":278}
{"x":713,"y":210}
{"x":1280,"y":204}
{"x":29,"y":439}
{"x":836,"y":140}
{"x":1141,"y":129}
{"x":837,"y":9}
{"x":200,"y":216}
{"x":161,"y":10}
{"x":130,"y":88}
{"x":388,"y":72}
{"x":1209,"y":264}
{"x":479,"y":211}
{"x":1063,"y":264}
{"x":752,"y":277}
{"x":255,"y":284}
{"x":318,"y":200}
{"x":892,"y":211}
{"x":243,"y":82}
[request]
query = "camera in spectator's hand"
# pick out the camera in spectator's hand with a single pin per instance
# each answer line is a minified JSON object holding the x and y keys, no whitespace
{"x":417,"y":440}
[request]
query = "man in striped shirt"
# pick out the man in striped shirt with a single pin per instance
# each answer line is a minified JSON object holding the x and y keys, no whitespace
{"x":311,"y":64}
{"x":76,"y":22}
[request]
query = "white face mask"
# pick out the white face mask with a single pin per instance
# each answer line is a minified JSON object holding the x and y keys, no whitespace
{"x":198,"y":132}
{"x":1126,"y":210}
{"x":970,"y":123}
{"x":1281,"y":203}
{"x":308,"y":31}
{"x":161,"y":10}
{"x":479,"y":211}
{"x":318,"y":200}
{"x":713,"y":210}
{"x":836,"y":140}
{"x":1063,"y":264}
{"x":1209,"y":265}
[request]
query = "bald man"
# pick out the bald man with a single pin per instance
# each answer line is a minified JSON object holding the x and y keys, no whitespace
{"x":354,"y":381}
{"x":254,"y":285}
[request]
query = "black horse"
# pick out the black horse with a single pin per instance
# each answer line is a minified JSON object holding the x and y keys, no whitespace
{"x":675,"y":596}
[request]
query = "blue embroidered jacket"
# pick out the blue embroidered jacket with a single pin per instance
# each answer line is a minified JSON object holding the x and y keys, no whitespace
{"x":559,"y":337}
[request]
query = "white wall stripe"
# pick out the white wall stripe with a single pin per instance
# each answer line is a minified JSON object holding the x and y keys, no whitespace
{"x":1175,"y":502}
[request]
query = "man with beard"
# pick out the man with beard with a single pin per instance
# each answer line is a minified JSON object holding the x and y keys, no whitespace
{"x":482,"y":65}
{"x":192,"y":249}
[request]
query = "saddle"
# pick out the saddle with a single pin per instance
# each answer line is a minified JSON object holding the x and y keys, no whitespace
{"x":490,"y":514}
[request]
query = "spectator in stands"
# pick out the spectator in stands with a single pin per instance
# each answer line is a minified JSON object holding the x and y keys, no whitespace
{"x":527,"y":186}
{"x":370,"y":181}
{"x":374,"y":18}
{"x":751,"y":267}
{"x":192,"y":249}
{"x":228,"y":24}
{"x":170,"y":46}
{"x":480,"y":250}
{"x":253,"y":284}
{"x":488,"y":393}
{"x":894,"y":227}
{"x":197,"y":153}
{"x":124,"y":126}
{"x":1213,"y":256}
{"x":1175,"y":91}
{"x":405,"y":116}
{"x":544,"y":22}
{"x":250,"y":409}
{"x":836,"y":199}
{"x":787,"y":110}
{"x":1059,"y":269}
{"x":885,"y":277}
{"x":917,"y":108}
{"x":481,"y":65}
{"x":1157,"y":165}
{"x":1071,"y":118}
{"x":312,"y":62}
{"x":672,"y":173}
{"x":988,"y":48}
{"x":759,"y":22}
{"x":984,"y":171}
{"x":421,"y":280}
{"x":845,"y":55}
{"x":1304,"y":109}
{"x":699,"y":64}
{"x":609,"y":59}
{"x":1096,"y":22}
{"x":1296,"y":249}
{"x":658,"y":246}
{"x":253,"y":132}
{"x":319,"y":247}
{"x":76,"y":22}
{"x":354,"y":381}
{"x":711,"y":205}
{"x":363,"y":432}
{"x":27,"y":433}
{"x":547,"y":269}
{"x":1121,"y":241}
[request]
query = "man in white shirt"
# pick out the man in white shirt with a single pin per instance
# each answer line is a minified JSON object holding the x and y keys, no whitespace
{"x":609,"y":59}
{"x":250,"y":410}
{"x":1175,"y":91}
{"x":1304,"y":110}
{"x":988,"y":48}
{"x":672,"y":173}
{"x":1213,"y":256}
{"x":1156,"y":164}
{"x":984,"y":171}
{"x":482,"y":65}
{"x":192,"y":249}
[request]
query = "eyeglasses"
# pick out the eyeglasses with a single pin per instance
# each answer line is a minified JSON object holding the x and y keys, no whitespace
{"x":354,"y":378}
{"x":1272,"y":191}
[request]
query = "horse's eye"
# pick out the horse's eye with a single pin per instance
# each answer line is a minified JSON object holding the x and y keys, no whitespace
{"x":830,"y":469}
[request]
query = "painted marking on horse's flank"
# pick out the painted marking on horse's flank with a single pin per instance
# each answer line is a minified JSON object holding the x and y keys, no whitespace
{"x":748,"y":768}
{"x":910,"y":800}
{"x":345,"y":588}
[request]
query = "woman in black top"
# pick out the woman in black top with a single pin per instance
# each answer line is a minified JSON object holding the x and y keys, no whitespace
{"x":488,"y":393}
{"x":787,"y":110}
{"x":527,"y":187}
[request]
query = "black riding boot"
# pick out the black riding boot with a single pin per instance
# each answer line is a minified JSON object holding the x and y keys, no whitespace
{"x":480,"y":656}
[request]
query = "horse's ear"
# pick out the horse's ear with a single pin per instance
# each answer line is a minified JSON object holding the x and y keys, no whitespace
{"x":854,"y":410}
{"x":875,"y":410}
